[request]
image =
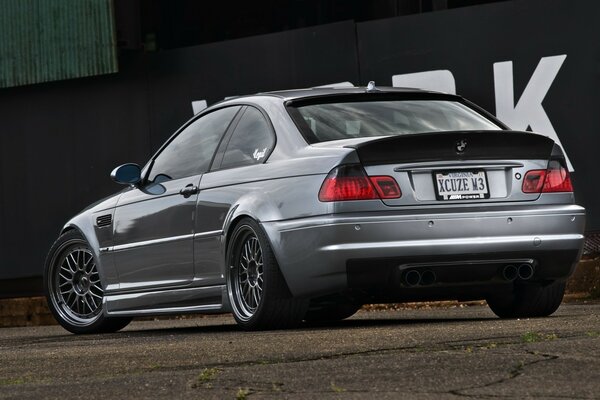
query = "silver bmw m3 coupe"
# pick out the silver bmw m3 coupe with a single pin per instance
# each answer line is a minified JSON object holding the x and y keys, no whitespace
{"x":304,"y":205}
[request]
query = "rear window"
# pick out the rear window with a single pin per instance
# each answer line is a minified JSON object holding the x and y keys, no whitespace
{"x":334,"y":121}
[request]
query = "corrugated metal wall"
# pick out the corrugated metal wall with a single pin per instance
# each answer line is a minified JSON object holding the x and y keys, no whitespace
{"x":48,"y":40}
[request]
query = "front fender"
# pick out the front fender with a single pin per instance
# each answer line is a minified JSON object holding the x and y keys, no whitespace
{"x":98,"y":237}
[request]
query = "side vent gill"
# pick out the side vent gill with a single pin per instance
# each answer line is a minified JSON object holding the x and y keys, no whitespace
{"x":104,"y":220}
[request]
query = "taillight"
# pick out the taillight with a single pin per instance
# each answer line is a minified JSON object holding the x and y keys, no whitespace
{"x":557,"y":178}
{"x":534,"y":181}
{"x":554,"y":179}
{"x":386,"y":187}
{"x":350,"y":182}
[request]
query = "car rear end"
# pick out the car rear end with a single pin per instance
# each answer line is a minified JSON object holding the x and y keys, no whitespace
{"x":422,"y":215}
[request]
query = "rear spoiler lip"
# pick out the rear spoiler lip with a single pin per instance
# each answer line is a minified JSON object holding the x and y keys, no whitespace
{"x":440,"y":133}
{"x":436,"y":146}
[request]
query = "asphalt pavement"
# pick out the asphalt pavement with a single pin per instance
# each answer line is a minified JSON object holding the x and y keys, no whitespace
{"x":436,"y":353}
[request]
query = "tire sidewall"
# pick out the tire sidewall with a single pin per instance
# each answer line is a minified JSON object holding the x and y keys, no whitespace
{"x":529,"y":301}
{"x":61,"y":245}
{"x":232,"y":249}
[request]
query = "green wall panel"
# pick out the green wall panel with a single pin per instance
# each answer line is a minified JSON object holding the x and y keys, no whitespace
{"x":49,"y":40}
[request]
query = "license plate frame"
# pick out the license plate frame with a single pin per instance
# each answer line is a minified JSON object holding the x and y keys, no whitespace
{"x":462,"y":179}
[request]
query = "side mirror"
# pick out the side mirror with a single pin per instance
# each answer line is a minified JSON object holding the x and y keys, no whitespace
{"x":127,"y":174}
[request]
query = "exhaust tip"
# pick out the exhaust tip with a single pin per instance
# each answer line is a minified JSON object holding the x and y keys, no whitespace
{"x":525,"y":271}
{"x":510,"y":272}
{"x":412,"y":277}
{"x":428,"y":277}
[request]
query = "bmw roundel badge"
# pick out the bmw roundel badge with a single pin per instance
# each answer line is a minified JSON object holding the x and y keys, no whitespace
{"x":461,"y":145}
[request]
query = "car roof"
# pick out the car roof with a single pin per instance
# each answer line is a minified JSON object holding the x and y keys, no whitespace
{"x":296,"y":94}
{"x":327,"y":94}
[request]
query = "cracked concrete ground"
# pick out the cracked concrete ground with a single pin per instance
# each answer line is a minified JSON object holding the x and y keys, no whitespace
{"x":438,"y":353}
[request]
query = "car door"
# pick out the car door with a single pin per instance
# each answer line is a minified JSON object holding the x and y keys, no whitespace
{"x":154,"y":222}
{"x":249,"y":143}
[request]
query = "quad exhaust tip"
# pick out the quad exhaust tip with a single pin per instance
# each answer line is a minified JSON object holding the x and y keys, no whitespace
{"x":510,"y":272}
{"x":428,"y":277}
{"x":413,"y":277}
{"x":523,"y":272}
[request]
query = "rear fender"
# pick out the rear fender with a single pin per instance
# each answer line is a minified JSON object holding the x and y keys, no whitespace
{"x":295,"y":199}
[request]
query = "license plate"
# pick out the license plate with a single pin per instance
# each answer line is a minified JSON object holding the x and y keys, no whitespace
{"x":461,"y":185}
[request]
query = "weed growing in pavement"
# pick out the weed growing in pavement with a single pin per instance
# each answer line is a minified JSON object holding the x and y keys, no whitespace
{"x":12,"y":381}
{"x":593,"y":334}
{"x":205,"y":377}
{"x":242,"y":394}
{"x":532,"y":337}
{"x":208,"y":374}
{"x":276,"y":386}
{"x":336,"y":388}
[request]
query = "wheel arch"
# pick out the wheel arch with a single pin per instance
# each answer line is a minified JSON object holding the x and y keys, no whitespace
{"x":68,"y":228}
{"x":252,"y":205}
{"x":83,"y":224}
{"x":229,"y":229}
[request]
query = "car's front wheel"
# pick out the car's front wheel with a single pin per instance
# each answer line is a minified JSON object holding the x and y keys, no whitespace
{"x":258,"y":293}
{"x":73,"y":288}
{"x":528,"y":301}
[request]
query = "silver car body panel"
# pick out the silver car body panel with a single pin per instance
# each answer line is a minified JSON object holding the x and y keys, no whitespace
{"x":334,"y":239}
{"x":205,"y":299}
{"x":174,"y":261}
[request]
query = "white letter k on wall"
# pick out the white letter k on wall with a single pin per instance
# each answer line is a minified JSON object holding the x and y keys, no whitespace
{"x":528,"y":111}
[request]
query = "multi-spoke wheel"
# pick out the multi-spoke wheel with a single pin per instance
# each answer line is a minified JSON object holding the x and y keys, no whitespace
{"x":78,"y":284}
{"x":73,"y":287}
{"x":249,"y":280}
{"x":259,"y":296}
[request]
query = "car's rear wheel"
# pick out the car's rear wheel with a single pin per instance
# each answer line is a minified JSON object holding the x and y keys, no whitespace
{"x":73,"y":288}
{"x":528,"y":301}
{"x":259,"y":296}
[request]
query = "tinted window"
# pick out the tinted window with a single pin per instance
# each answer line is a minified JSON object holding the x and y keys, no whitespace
{"x":251,"y":142}
{"x":382,"y":118}
{"x":191,"y":151}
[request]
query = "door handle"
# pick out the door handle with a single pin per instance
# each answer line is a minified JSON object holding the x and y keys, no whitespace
{"x":189,"y":190}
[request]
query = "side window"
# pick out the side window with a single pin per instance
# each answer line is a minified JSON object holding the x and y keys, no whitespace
{"x":191,"y":151}
{"x":251,"y":141}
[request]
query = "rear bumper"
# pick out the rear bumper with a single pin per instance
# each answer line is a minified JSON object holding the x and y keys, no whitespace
{"x":325,"y":254}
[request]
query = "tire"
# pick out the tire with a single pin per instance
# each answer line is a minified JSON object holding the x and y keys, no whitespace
{"x":258,"y":294}
{"x":73,"y":288}
{"x":330,"y":312}
{"x":528,"y":301}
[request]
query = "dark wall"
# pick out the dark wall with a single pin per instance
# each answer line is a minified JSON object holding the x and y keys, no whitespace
{"x":170,"y":24}
{"x":59,"y":141}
